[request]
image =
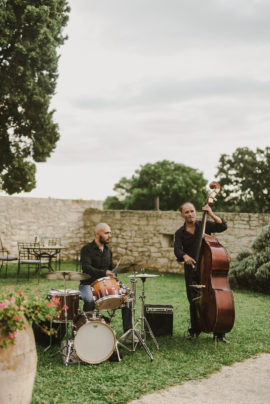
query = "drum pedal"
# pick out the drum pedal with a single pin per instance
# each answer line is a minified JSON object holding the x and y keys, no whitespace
{"x":68,"y":353}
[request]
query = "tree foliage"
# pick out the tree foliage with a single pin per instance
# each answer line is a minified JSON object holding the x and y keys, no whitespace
{"x":30,"y":32}
{"x":174,"y":184}
{"x":251,"y":269}
{"x":244,"y":179}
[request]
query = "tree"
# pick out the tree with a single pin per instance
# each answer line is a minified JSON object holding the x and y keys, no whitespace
{"x":244,"y":179}
{"x":30,"y":32}
{"x":174,"y":184}
{"x":112,"y":202}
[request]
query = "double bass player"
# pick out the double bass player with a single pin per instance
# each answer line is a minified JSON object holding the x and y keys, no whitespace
{"x":185,"y":243}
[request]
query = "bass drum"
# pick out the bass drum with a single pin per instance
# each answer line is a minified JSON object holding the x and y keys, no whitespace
{"x":94,"y":339}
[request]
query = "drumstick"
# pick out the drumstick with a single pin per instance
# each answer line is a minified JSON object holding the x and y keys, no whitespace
{"x":117,"y":265}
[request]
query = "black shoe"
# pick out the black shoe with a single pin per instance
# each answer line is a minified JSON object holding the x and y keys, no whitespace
{"x":192,"y":334}
{"x":221,"y":338}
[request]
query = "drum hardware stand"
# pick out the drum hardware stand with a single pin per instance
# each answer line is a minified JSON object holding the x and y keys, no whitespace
{"x":50,"y":345}
{"x":143,"y":319}
{"x":111,"y":313}
{"x":133,"y":331}
{"x":67,"y":343}
{"x":66,"y":323}
{"x":117,"y":351}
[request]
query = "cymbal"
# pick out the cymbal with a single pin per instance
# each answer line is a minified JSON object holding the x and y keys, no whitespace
{"x":67,"y":275}
{"x":124,"y":268}
{"x":143,"y":276}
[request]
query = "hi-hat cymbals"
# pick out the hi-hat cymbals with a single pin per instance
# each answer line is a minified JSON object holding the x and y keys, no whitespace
{"x":67,"y":275}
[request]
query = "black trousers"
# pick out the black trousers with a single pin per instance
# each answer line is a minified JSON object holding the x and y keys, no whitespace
{"x":191,"y":278}
{"x":126,"y":318}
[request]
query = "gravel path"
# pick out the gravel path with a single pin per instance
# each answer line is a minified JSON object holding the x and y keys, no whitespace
{"x":246,"y":382}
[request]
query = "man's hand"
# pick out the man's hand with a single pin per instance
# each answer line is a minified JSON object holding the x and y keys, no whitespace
{"x":209,"y":211}
{"x":109,"y":273}
{"x":189,"y":260}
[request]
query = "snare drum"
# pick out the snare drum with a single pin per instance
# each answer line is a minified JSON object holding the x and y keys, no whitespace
{"x":107,"y":293}
{"x":72,"y":301}
{"x":94,"y":339}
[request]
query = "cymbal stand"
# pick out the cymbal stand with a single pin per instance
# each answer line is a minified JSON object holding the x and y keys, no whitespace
{"x":68,"y":343}
{"x":143,"y":320}
{"x":133,"y":330}
{"x":66,"y":322}
{"x":50,"y":345}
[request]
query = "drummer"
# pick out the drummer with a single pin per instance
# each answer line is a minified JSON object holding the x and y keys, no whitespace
{"x":96,"y":260}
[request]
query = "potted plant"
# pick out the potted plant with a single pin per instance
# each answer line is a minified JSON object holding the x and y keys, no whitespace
{"x":18,"y":357}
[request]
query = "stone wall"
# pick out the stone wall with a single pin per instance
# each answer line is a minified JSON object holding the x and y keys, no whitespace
{"x":21,"y":219}
{"x":145,"y":236}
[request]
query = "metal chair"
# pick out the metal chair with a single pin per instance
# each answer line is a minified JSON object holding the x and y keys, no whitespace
{"x":30,"y":254}
{"x":5,"y":257}
{"x":78,"y":261}
{"x":57,"y":259}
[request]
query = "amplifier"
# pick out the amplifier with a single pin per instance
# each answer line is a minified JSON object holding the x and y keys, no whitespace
{"x":160,"y":318}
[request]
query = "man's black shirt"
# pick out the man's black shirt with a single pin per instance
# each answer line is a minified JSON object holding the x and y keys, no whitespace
{"x":95,"y":262}
{"x":185,"y":242}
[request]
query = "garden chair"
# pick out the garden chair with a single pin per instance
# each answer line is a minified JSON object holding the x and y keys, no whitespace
{"x":57,"y":259}
{"x":30,"y":255}
{"x":5,"y":257}
{"x":78,"y":261}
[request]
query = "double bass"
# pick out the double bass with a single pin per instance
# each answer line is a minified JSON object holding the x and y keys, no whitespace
{"x":213,"y":297}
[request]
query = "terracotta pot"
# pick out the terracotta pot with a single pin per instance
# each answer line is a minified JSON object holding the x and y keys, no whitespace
{"x":18,"y":365}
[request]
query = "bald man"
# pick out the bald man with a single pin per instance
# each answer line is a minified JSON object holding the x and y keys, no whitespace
{"x":96,"y":260}
{"x":185,"y":250}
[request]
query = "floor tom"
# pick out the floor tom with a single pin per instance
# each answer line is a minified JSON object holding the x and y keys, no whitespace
{"x":72,"y":302}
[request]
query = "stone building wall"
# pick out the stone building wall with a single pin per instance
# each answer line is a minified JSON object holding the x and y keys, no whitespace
{"x":147,"y":236}
{"x":21,"y":219}
{"x":137,"y":236}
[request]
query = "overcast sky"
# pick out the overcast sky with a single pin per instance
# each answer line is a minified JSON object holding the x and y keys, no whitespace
{"x":145,"y":80}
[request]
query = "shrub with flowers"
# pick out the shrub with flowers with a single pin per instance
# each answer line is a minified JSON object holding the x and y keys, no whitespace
{"x":16,"y":305}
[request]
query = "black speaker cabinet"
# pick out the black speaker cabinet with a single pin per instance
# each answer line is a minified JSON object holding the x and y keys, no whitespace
{"x":160,"y":318}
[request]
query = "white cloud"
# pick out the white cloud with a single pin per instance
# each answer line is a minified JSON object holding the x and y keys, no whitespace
{"x":142,"y":81}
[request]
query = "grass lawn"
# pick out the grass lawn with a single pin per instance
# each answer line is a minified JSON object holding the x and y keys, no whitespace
{"x":178,"y":359}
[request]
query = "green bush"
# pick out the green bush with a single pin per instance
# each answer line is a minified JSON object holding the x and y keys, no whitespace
{"x":263,"y":239}
{"x":251,"y":269}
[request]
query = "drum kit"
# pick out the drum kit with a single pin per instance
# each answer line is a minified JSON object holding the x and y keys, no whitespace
{"x":93,"y":340}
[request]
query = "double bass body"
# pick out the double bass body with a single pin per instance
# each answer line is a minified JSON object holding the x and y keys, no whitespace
{"x":214,"y":299}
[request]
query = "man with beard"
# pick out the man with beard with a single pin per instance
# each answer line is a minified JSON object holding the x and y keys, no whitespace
{"x":96,"y":260}
{"x":185,"y":250}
